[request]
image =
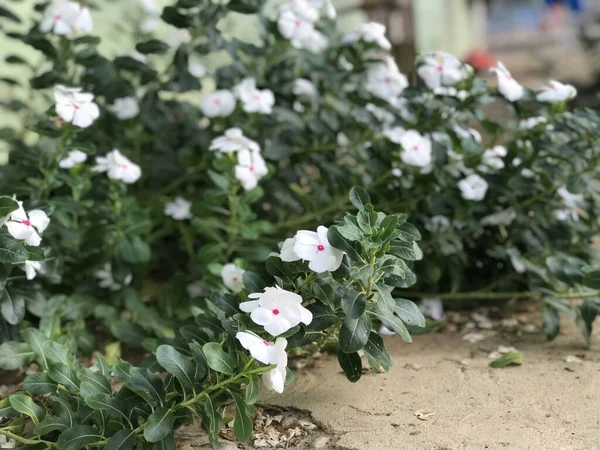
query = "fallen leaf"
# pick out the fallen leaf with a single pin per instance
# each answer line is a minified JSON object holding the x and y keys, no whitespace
{"x":508,"y":359}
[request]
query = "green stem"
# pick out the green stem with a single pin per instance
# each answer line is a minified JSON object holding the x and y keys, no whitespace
{"x":24,"y":441}
{"x":372,"y":260}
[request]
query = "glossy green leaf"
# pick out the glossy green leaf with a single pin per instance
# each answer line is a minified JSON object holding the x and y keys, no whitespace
{"x":508,"y":359}
{"x":121,"y":440}
{"x":217,"y":359}
{"x":159,"y":424}
{"x":375,"y":349}
{"x":176,"y":364}
{"x":409,"y":312}
{"x":40,"y":384}
{"x":78,"y":437}
{"x":351,"y":364}
{"x":25,"y":405}
{"x":14,"y":355}
{"x":242,"y":425}
{"x":353,"y":304}
{"x":354,"y":334}
{"x":359,"y":197}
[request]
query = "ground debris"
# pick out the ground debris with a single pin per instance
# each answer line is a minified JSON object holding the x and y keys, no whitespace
{"x":424,"y":415}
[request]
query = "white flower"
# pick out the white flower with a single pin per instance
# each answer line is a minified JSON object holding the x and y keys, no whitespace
{"x":505,"y":217}
{"x":315,"y":248}
{"x":437,"y":224}
{"x":342,"y":140}
{"x":473,"y":187}
{"x":259,"y":348}
{"x":232,"y":277}
{"x":493,"y":157}
{"x":432,"y":307}
{"x":32,"y":268}
{"x":76,"y":107}
{"x":233,"y":141}
{"x":179,"y":36}
{"x":527,"y":173}
{"x":150,"y":23}
{"x":293,"y":27}
{"x":125,"y":108}
{"x":507,"y":85}
{"x":467,"y":133}
{"x":287,"y":253}
{"x":564,"y":214}
{"x":219,"y":103}
{"x":305,"y":9}
{"x":385,"y":81}
{"x":345,"y":64}
{"x":274,"y":379}
{"x":107,"y":281}
{"x":532,"y":122}
{"x":325,"y":6}
{"x":253,"y":99}
{"x":557,"y":92}
{"x":74,"y":158}
{"x":570,"y":200}
{"x":394,"y":134}
{"x":66,"y":18}
{"x":197,"y":289}
{"x":370,"y":32}
{"x":515,"y":259}
{"x":277,"y":310}
{"x":304,"y":88}
{"x":27,"y":226}
{"x":441,"y":69}
{"x":196,"y":67}
{"x":251,"y":167}
{"x":396,"y":172}
{"x":118,"y":167}
{"x":314,"y":42}
{"x":416,"y":149}
{"x":179,"y":209}
{"x":149,"y":6}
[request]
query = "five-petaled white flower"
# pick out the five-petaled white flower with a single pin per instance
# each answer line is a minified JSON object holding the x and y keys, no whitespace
{"x":385,"y":81}
{"x":313,"y":247}
{"x":74,"y":158}
{"x":179,"y":209}
{"x":76,"y":107}
{"x":556,"y":92}
{"x":416,"y":149}
{"x":492,"y":157}
{"x":293,"y":27}
{"x":441,"y":69}
{"x":27,"y":226}
{"x":118,"y":167}
{"x":473,"y":187}
{"x":438,"y":224}
{"x":32,"y":268}
{"x":274,"y":379}
{"x":232,"y":277}
{"x":253,"y":99}
{"x":394,"y":134}
{"x":277,"y":310}
{"x":507,"y":85}
{"x":219,"y":103}
{"x":251,"y":167}
{"x":66,"y":18}
{"x":304,"y":88}
{"x":125,"y":108}
{"x":371,"y":32}
{"x":260,"y":349}
{"x":233,"y":141}
{"x":196,"y":67}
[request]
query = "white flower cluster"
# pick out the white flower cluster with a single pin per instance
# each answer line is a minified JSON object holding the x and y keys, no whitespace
{"x":222,"y":102}
{"x":251,"y":166}
{"x":442,"y":69}
{"x":75,"y":107}
{"x":296,"y":23}
{"x":66,"y":18}
{"x":118,"y":167}
{"x":385,"y":81}
{"x":371,"y":33}
{"x":313,"y":247}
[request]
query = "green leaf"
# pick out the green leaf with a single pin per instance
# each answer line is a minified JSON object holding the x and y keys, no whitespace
{"x":354,"y":334}
{"x":217,"y":359}
{"x":252,"y":391}
{"x":7,"y":205}
{"x":323,"y":317}
{"x":50,"y":424}
{"x":253,"y":282}
{"x":278,"y":268}
{"x":242,"y":425}
{"x":99,"y":383}
{"x":106,"y":402}
{"x":353,"y":303}
{"x":64,"y":375}
{"x":78,"y":437}
{"x":338,"y":241}
{"x":14,"y":355}
{"x":392,"y":322}
{"x":351,"y":364}
{"x":11,"y":252}
{"x":5,"y":12}
{"x":550,"y":321}
{"x":39,"y":384}
{"x":388,"y":227}
{"x":211,"y":420}
{"x":408,"y":232}
{"x":12,"y":307}
{"x":134,"y":250}
{"x":508,"y":359}
{"x":409,"y":313}
{"x":588,"y":311}
{"x":159,"y":424}
{"x":167,"y":443}
{"x":153,"y":46}
{"x":367,"y":219}
{"x":359,"y":197}
{"x":176,"y":364}
{"x":121,"y":440}
{"x":36,"y":340}
{"x":225,"y":302}
{"x":25,"y":405}
{"x":592,"y":279}
{"x":408,"y":251}
{"x":350,"y":229}
{"x":377,"y":352}
{"x":146,"y":384}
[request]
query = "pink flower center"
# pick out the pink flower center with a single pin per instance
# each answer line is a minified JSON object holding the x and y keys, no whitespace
{"x":320,"y":247}
{"x":415,"y":148}
{"x":474,"y":187}
{"x":27,"y":223}
{"x":57,"y":17}
{"x":387,"y":80}
{"x":228,"y":139}
{"x":234,"y":278}
{"x":251,"y":168}
{"x":124,"y":166}
{"x":440,"y":68}
{"x":275,"y":312}
{"x":266,"y":343}
{"x":297,"y":23}
{"x":76,"y":106}
{"x":217,"y":101}
{"x":257,"y":97}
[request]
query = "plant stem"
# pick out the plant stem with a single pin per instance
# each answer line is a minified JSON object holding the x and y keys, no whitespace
{"x":24,"y":441}
{"x":372,"y":260}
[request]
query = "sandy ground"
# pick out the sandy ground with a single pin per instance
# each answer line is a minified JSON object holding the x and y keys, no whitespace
{"x":546,"y":403}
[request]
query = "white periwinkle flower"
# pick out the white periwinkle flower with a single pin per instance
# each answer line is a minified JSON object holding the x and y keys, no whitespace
{"x":253,"y":99}
{"x":441,"y":69}
{"x":233,"y":141}
{"x":74,"y":158}
{"x":516,"y":260}
{"x":416,"y":149}
{"x":532,"y":122}
{"x":396,"y":172}
{"x":493,"y":157}
{"x":107,"y":281}
{"x":179,"y":209}
{"x":259,"y":348}
{"x":277,"y":310}
{"x":219,"y":103}
{"x":505,"y":217}
{"x":32,"y":268}
{"x":294,"y":28}
{"x":385,"y":81}
{"x":473,"y":187}
{"x":304,"y":88}
{"x":315,"y":41}
{"x":196,"y":67}
{"x":232,"y":277}
{"x":313,"y":247}
{"x":370,"y":32}
{"x":27,"y":226}
{"x":432,"y":307}
{"x":557,"y":92}
{"x":251,"y":167}
{"x":394,"y":134}
{"x":76,"y":107}
{"x":66,"y":18}
{"x":274,"y":379}
{"x":125,"y":108}
{"x":118,"y":167}
{"x":510,"y":89}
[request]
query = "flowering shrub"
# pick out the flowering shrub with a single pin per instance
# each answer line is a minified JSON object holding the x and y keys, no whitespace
{"x":131,"y":206}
